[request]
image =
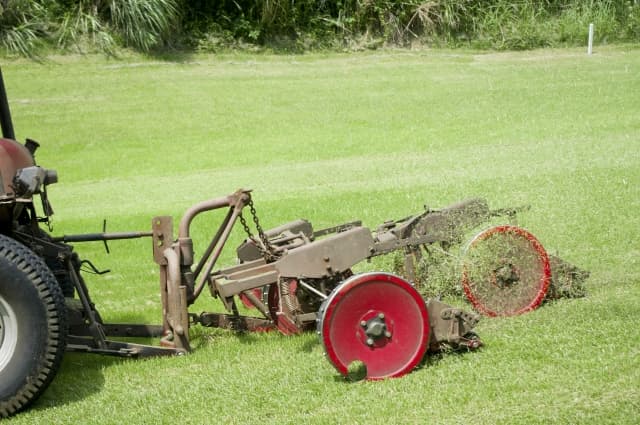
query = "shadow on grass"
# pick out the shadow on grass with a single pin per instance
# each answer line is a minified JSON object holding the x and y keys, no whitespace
{"x":309,"y":345}
{"x":432,"y":359}
{"x":79,"y":377}
{"x":308,"y":339}
{"x":81,"y":374}
{"x":357,"y":370}
{"x":202,"y":337}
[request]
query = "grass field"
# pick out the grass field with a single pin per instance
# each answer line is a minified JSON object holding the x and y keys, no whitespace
{"x":333,"y":138}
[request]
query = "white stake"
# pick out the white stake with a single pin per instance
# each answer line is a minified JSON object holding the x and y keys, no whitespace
{"x":590,"y":47}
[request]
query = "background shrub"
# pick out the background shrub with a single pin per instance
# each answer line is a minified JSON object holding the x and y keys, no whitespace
{"x":147,"y":25}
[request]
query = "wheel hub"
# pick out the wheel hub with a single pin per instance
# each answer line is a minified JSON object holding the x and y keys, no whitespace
{"x":375,"y":330}
{"x":8,"y":333}
{"x":506,"y":275}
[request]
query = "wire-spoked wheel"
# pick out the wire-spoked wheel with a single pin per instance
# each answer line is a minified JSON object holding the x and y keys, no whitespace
{"x":506,"y":271}
{"x":376,"y":320}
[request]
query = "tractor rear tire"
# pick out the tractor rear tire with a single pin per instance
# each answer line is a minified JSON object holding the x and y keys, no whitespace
{"x":32,"y":326}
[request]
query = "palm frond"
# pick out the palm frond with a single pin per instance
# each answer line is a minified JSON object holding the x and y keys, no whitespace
{"x":142,"y":23}
{"x":82,"y":24}
{"x":23,"y":25}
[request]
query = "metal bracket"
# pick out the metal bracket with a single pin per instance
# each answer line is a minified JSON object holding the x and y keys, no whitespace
{"x":451,"y":326}
{"x":162,"y":228}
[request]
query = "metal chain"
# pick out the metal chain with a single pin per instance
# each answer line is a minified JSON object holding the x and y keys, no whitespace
{"x":268,"y":252}
{"x":248,"y":231}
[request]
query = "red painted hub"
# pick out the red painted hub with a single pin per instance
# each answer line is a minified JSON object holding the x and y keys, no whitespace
{"x":378,"y":319}
{"x":506,"y":271}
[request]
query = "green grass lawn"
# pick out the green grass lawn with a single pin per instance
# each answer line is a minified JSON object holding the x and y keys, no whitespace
{"x":332,"y":138}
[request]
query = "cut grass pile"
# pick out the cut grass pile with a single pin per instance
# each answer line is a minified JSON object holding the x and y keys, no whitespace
{"x":333,"y":138}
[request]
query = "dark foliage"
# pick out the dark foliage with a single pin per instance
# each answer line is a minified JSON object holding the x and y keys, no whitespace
{"x":26,"y":25}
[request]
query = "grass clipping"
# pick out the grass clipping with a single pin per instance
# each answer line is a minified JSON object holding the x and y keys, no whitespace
{"x":438,"y":275}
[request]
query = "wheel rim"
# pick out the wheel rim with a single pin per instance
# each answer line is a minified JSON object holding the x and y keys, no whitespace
{"x":376,"y":319}
{"x":8,"y":332}
{"x":506,"y":271}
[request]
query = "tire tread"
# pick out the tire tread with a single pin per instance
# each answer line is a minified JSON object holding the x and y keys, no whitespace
{"x":50,"y":294}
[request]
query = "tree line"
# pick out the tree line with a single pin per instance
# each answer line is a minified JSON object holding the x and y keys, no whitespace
{"x":28,"y":27}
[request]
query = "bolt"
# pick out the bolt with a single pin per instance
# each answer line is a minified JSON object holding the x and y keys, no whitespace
{"x":387,"y":334}
{"x":363,"y":324}
{"x":381,"y":316}
{"x":369,"y":342}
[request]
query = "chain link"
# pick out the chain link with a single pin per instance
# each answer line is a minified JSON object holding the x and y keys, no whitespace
{"x":265,"y":247}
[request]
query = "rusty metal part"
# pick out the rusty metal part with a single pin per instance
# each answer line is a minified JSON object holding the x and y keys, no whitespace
{"x":175,"y":310}
{"x":325,"y":257}
{"x":451,"y":327}
{"x":90,"y":237}
{"x":87,"y":331}
{"x":234,"y":322}
{"x":255,"y":301}
{"x":258,"y":293}
{"x":264,"y":245}
{"x":227,"y":284}
{"x":289,"y":236}
{"x":285,"y":237}
{"x":235,"y":202}
{"x":302,"y":257}
{"x":119,"y":348}
{"x":293,"y":303}
{"x":446,"y":225}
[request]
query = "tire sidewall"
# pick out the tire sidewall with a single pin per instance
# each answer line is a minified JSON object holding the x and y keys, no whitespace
{"x":30,"y":290}
{"x":23,"y":298}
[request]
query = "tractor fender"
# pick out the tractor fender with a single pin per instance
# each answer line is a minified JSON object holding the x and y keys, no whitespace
{"x":13,"y":157}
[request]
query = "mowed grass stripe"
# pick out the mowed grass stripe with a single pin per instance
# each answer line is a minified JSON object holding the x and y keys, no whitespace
{"x":282,"y":180}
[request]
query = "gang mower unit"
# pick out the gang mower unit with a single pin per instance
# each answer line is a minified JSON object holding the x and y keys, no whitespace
{"x":296,"y":277}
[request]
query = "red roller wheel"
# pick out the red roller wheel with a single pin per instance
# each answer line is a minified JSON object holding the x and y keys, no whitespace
{"x":378,"y":320}
{"x":506,"y":271}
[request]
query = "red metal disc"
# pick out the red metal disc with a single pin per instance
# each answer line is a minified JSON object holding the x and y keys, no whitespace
{"x":377,"y":319}
{"x":506,"y":271}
